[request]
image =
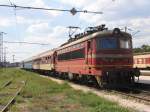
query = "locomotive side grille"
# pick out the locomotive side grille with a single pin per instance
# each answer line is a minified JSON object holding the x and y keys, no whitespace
{"x":116,"y":59}
{"x":111,"y":55}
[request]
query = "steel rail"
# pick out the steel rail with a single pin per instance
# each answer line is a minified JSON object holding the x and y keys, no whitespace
{"x":13,"y":98}
{"x":136,"y":96}
{"x":6,"y":84}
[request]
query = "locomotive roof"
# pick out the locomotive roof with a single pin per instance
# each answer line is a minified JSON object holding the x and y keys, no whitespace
{"x":93,"y":35}
{"x":46,"y":53}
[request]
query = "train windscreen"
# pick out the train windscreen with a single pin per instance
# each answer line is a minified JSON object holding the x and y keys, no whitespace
{"x":106,"y":43}
{"x":112,"y":43}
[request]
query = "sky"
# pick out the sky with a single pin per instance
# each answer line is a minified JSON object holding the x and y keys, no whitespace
{"x":51,"y":26}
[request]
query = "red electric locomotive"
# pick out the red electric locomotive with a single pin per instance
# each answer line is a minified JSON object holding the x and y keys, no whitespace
{"x":99,"y":53}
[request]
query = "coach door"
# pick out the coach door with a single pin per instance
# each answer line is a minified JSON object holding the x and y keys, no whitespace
{"x":89,"y":52}
{"x":54,"y":58}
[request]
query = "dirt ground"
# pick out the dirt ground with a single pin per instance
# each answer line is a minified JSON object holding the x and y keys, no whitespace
{"x":140,"y":107}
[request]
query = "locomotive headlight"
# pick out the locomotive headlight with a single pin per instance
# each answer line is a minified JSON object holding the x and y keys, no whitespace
{"x":116,"y":31}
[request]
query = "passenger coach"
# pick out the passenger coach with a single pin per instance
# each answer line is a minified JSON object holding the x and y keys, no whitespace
{"x":142,"y":60}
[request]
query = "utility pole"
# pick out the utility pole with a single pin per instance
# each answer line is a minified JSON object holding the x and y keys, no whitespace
{"x":125,"y":28}
{"x":13,"y":58}
{"x":5,"y":56}
{"x":1,"y":48}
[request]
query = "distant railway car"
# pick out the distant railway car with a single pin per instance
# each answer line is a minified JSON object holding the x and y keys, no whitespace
{"x":47,"y":60}
{"x":142,"y":60}
{"x":27,"y":64}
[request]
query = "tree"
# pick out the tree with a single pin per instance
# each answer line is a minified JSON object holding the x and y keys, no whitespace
{"x":143,"y":48}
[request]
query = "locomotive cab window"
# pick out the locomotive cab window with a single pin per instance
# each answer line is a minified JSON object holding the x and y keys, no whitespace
{"x":125,"y":43}
{"x":106,"y":43}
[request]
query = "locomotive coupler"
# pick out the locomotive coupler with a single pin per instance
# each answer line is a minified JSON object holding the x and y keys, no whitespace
{"x":137,"y":72}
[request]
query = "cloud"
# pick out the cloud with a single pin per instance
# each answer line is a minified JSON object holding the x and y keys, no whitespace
{"x":140,"y":22}
{"x":43,"y":33}
{"x":5,"y":22}
{"x":118,"y":10}
{"x":57,"y":36}
{"x":139,"y":41}
{"x":23,"y":51}
{"x":76,"y":3}
{"x":41,"y":3}
{"x":39,"y":28}
{"x":20,"y":20}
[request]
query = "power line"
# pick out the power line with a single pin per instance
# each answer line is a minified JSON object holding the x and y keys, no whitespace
{"x":18,"y":52}
{"x":73,"y":11}
{"x":15,"y":42}
{"x":5,"y":55}
{"x":72,"y":30}
{"x":13,"y":56}
{"x":10,"y":2}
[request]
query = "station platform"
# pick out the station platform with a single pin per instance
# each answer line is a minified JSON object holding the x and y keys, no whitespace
{"x":143,"y":79}
{"x":145,"y":72}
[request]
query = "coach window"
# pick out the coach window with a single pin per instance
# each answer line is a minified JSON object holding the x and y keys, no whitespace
{"x":72,"y":55}
{"x":75,"y":46}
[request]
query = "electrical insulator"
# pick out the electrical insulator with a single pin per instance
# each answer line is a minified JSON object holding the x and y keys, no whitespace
{"x":73,"y":11}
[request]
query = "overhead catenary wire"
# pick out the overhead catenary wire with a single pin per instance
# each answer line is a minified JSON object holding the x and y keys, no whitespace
{"x":10,"y":2}
{"x":23,"y":42}
{"x":18,"y":52}
{"x":73,"y":10}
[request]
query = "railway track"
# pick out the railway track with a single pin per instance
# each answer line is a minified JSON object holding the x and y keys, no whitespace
{"x":6,"y":84}
{"x":137,"y":94}
{"x":9,"y":92}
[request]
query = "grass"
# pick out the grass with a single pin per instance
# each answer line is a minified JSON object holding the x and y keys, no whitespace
{"x":8,"y":91}
{"x":43,"y":95}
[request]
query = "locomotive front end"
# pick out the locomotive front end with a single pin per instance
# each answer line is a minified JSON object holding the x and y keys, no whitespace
{"x":114,"y":58}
